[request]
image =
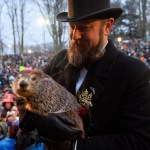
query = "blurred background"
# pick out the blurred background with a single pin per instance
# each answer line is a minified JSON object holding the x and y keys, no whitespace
{"x":30,"y":33}
{"x":28,"y":26}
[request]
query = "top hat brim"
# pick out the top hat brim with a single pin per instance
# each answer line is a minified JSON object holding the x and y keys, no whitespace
{"x":103,"y":14}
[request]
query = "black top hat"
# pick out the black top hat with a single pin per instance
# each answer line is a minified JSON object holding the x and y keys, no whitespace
{"x":80,"y":10}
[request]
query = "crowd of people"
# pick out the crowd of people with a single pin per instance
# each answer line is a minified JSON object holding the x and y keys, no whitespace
{"x":139,"y":50}
{"x":9,"y":124}
{"x":9,"y":114}
{"x":11,"y":65}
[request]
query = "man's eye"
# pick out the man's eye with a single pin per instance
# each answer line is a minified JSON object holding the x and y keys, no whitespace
{"x":80,"y":28}
{"x":83,"y":28}
{"x":71,"y":27}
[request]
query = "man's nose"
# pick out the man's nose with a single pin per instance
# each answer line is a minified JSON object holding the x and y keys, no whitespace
{"x":76,"y":34}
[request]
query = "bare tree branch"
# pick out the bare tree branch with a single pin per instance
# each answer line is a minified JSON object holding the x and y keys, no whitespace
{"x":49,"y":9}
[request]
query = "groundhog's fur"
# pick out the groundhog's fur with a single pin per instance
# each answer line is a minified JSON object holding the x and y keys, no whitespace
{"x":43,"y":95}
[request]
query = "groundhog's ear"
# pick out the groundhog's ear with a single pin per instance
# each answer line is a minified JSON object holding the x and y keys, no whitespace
{"x":39,"y":70}
{"x":36,"y":69}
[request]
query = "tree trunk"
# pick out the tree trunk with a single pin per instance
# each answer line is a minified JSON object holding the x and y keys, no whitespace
{"x":144,"y":16}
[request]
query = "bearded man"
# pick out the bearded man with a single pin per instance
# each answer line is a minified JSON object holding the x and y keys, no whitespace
{"x":112,"y":88}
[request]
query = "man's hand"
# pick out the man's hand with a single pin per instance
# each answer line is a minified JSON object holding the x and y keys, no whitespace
{"x":59,"y":127}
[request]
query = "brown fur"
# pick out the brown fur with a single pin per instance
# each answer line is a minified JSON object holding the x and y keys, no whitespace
{"x":43,"y":95}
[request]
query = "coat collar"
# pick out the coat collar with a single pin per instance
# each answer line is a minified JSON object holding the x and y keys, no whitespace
{"x":103,"y":66}
{"x":99,"y":72}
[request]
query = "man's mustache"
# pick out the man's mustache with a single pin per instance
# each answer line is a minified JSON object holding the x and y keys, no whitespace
{"x":77,"y":43}
{"x":74,"y":42}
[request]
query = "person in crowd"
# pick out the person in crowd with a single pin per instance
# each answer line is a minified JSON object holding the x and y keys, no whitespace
{"x":9,"y":131}
{"x":13,"y":123}
{"x":3,"y":130}
{"x":112,"y":88}
{"x":7,"y":103}
{"x":1,"y":110}
{"x":15,"y":110}
{"x":8,"y":143}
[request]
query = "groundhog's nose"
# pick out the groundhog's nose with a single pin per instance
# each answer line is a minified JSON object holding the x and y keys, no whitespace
{"x":23,"y":84}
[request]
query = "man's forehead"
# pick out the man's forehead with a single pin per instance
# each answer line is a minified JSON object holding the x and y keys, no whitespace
{"x":86,"y":22}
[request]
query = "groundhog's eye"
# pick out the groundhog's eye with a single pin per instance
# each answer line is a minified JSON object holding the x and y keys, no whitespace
{"x":33,"y":77}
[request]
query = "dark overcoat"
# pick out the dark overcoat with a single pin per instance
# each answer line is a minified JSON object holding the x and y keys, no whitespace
{"x":120,"y":115}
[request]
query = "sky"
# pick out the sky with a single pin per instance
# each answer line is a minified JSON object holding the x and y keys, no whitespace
{"x":34,"y":29}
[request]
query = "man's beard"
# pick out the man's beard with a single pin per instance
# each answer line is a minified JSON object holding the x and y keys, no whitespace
{"x":81,"y":54}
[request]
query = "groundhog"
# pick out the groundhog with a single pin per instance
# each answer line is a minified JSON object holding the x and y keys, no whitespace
{"x":43,"y":95}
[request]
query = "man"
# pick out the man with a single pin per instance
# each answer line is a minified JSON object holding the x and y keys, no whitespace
{"x":116,"y":87}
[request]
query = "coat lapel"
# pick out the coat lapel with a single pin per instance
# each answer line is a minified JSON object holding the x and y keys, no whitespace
{"x":98,"y":73}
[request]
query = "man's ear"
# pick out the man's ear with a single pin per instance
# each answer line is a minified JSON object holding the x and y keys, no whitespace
{"x":108,"y":25}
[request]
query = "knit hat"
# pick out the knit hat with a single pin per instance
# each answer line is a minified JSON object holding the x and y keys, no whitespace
{"x":8,"y":98}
